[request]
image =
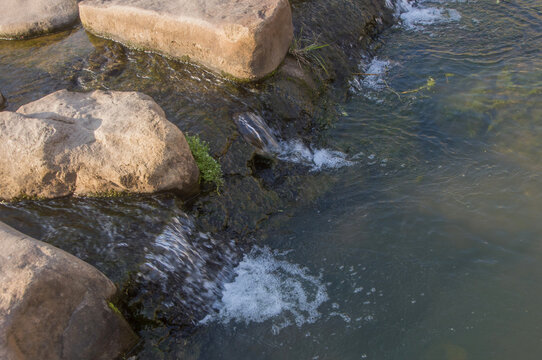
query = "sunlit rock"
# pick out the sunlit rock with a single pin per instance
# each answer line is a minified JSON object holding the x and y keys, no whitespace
{"x":90,"y":144}
{"x":21,"y":19}
{"x":247,"y":39}
{"x":55,"y":306}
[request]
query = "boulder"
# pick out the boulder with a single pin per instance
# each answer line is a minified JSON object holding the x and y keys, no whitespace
{"x":21,"y":19}
{"x":91,"y":144}
{"x":247,"y":39}
{"x":55,"y":306}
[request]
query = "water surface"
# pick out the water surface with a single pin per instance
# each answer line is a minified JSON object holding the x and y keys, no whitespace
{"x":429,"y":245}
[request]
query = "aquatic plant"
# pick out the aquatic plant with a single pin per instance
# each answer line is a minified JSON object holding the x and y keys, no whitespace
{"x":429,"y":84}
{"x":209,"y":168}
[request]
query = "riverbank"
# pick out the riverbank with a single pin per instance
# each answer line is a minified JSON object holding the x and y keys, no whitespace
{"x":298,"y":101}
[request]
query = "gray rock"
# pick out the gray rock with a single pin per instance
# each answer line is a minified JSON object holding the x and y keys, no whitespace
{"x":247,"y":39}
{"x":90,"y":144}
{"x":21,"y":19}
{"x":54,"y":306}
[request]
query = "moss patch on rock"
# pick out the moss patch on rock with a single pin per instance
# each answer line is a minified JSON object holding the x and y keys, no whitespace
{"x":209,"y":168}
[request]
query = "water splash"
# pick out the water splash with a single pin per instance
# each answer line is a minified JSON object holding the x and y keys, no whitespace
{"x":414,"y":15}
{"x":316,"y":159}
{"x":373,"y":79}
{"x":268,"y":287}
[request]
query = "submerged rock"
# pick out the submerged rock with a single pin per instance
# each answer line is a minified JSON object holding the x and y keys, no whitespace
{"x":255,"y":131}
{"x":55,"y":306}
{"x":21,"y":19}
{"x":90,"y":144}
{"x":247,"y":39}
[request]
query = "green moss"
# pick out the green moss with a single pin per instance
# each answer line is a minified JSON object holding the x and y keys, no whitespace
{"x":108,"y":194}
{"x":24,"y":197}
{"x":114,"y":308}
{"x":209,"y":168}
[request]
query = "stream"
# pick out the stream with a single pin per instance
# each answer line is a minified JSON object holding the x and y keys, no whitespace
{"x":413,"y":232}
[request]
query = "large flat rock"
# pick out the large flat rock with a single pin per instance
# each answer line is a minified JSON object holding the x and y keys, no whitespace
{"x":54,"y":306}
{"x":21,"y":19}
{"x":92,"y":143}
{"x":244,"y":38}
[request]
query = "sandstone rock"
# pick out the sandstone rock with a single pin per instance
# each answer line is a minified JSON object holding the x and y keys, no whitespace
{"x":54,"y":306}
{"x":26,"y":18}
{"x":244,"y":38}
{"x":91,"y":143}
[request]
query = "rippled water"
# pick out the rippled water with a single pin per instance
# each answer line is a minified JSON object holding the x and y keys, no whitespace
{"x":422,"y":240}
{"x":429,"y":244}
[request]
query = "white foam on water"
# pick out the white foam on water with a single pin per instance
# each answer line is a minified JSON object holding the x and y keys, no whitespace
{"x":373,"y":80}
{"x":317,"y":159}
{"x":416,"y":15}
{"x":268,"y":287}
{"x":377,"y":69}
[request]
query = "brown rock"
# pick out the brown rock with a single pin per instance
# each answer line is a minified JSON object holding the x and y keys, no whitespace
{"x":92,"y":143}
{"x":244,"y":38}
{"x":2,"y":101}
{"x":54,"y":306}
{"x":26,"y":18}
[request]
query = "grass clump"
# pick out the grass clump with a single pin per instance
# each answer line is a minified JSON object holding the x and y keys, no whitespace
{"x":304,"y":50}
{"x":209,"y":168}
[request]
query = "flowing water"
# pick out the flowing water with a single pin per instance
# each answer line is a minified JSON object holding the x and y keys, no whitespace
{"x":424,"y":239}
{"x":427,"y":246}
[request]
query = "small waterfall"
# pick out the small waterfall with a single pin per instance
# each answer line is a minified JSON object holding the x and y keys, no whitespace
{"x":255,"y":131}
{"x":187,"y":269}
{"x":199,"y":279}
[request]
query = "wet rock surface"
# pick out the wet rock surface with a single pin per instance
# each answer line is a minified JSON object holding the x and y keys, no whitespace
{"x":92,"y":143}
{"x":55,"y":306}
{"x":297,"y":102}
{"x":21,"y":19}
{"x":246,"y":39}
